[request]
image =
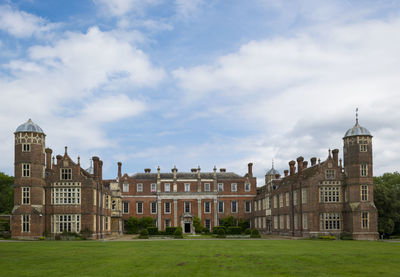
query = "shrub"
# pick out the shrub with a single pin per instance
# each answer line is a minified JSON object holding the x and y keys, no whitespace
{"x":327,"y":237}
{"x":228,"y":221}
{"x":255,"y":233}
{"x":178,"y":233}
{"x":244,"y":224}
{"x":57,"y":237}
{"x":144,"y":234}
{"x":221,"y":233}
{"x":234,"y":230}
{"x":162,"y":233}
{"x":197,"y":225}
{"x":41,"y":238}
{"x":146,"y":222}
{"x":86,"y":233}
{"x":5,"y":235}
{"x":132,"y":225}
{"x":153,"y":231}
{"x":169,"y":231}
{"x":247,"y":231}
{"x":206,"y":231}
{"x":216,"y":228}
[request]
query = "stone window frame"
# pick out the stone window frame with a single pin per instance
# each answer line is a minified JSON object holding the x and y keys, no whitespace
{"x":207,"y":187}
{"x":364,"y":192}
{"x":167,"y":211}
{"x":25,"y":223}
{"x":275,"y":222}
{"x":65,"y":196}
{"x":205,"y":207}
{"x":66,"y":222}
{"x":275,"y":201}
{"x":153,"y":187}
{"x":66,"y":174}
{"x":125,"y":204}
{"x":207,"y":222}
{"x":330,"y":174}
{"x":330,"y":194}
{"x":281,"y":222}
{"x":139,"y":187}
{"x":363,"y":147}
{"x":281,"y":200}
{"x":234,"y":203}
{"x":296,"y":221}
{"x":153,"y":207}
{"x":304,"y":221}
{"x":234,"y":187}
{"x":247,"y":186}
{"x":295,"y":197}
{"x":125,"y":187}
{"x":26,"y":195}
{"x":223,"y":207}
{"x":113,"y":205}
{"x":26,"y":170}
{"x":247,"y":206}
{"x":139,"y":211}
{"x":287,"y":199}
{"x":26,"y":147}
{"x":220,"y":186}
{"x":330,"y":221}
{"x":364,"y":170}
{"x":287,"y":222}
{"x":364,"y":220}
{"x":304,"y":195}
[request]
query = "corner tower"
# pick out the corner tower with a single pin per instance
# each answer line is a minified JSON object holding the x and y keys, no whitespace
{"x":361,"y":219}
{"x":29,"y":185}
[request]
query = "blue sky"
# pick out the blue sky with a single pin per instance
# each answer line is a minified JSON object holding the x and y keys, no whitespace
{"x":187,"y":83}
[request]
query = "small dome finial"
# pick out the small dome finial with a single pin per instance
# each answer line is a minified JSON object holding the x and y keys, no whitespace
{"x":356,"y":115}
{"x":272,"y":163}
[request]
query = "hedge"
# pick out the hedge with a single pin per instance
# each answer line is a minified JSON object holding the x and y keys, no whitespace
{"x":153,"y":231}
{"x":169,"y":231}
{"x":255,"y":233}
{"x":216,"y":228}
{"x":144,"y":234}
{"x":234,"y":230}
{"x":178,"y":233}
{"x":221,"y":233}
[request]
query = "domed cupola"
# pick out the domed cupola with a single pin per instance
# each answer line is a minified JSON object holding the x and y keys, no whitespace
{"x":357,"y":130}
{"x":29,"y":126}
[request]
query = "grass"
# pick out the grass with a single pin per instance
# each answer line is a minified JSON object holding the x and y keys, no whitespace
{"x":200,"y":258}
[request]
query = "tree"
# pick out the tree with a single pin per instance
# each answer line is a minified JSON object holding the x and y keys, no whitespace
{"x":6,"y":193}
{"x":132,"y":225}
{"x":147,"y":222}
{"x":387,"y":201}
{"x":228,"y":221}
{"x":197,"y":225}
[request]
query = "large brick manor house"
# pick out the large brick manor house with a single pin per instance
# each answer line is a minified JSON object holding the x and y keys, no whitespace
{"x":54,"y":194}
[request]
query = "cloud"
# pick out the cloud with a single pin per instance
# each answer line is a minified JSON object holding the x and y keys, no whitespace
{"x":22,"y":24}
{"x":186,"y":9}
{"x":299,"y":93}
{"x":122,"y":7}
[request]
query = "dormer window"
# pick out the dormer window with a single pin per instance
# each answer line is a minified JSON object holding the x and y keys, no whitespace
{"x":66,"y":174}
{"x":330,"y":174}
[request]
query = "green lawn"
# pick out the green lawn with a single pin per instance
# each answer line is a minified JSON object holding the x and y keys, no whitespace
{"x":200,"y":258}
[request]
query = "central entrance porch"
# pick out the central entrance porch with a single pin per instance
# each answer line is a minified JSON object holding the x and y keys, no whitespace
{"x":187,"y":223}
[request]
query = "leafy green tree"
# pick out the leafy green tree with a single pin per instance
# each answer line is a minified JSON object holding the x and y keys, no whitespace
{"x":146,"y":221}
{"x":387,"y":201}
{"x":228,"y":221}
{"x":244,"y":224}
{"x":197,"y":225}
{"x":6,"y":193}
{"x":132,"y":225}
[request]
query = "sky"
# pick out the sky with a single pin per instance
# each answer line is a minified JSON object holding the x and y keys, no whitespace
{"x":200,"y":83}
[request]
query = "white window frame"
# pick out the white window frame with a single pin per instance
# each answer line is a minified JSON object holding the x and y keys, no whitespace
{"x":155,"y":207}
{"x":233,"y":187}
{"x":287,"y":199}
{"x":187,"y":187}
{"x":330,"y":194}
{"x":205,"y":207}
{"x":167,"y":187}
{"x":167,"y":211}
{"x":304,"y":196}
{"x":25,"y":223}
{"x":125,"y":187}
{"x":185,"y":206}
{"x":364,"y":170}
{"x":26,"y":195}
{"x":153,"y":187}
{"x":330,"y":221}
{"x":364,"y":220}
{"x":26,"y":170}
{"x":223,"y":207}
{"x":364,"y":192}
{"x":137,"y":207}
{"x":247,"y":202}
{"x":139,"y":187}
{"x":220,"y":186}
{"x":207,"y":187}
{"x":280,"y":200}
{"x":247,"y":186}
{"x":66,"y":196}
{"x":123,"y":207}
{"x":236,"y":206}
{"x":66,"y":222}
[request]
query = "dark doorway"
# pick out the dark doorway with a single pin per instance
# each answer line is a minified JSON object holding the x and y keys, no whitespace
{"x":187,"y":227}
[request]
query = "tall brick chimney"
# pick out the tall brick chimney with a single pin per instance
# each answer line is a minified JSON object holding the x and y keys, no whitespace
{"x":147,"y":170}
{"x":300,"y":164}
{"x":222,"y":170}
{"x":335,"y":153}
{"x":305,"y":164}
{"x":48,"y":158}
{"x":96,"y":166}
{"x":286,"y":172}
{"x":119,"y":170}
{"x":313,"y":161}
{"x":250,"y":169}
{"x":59,"y":158}
{"x":100,"y":170}
{"x":292,"y":167}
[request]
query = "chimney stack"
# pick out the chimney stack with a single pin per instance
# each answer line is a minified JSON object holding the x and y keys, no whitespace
{"x":286,"y":172}
{"x":222,"y":170}
{"x":147,"y":170}
{"x":95,"y":167}
{"x":250,"y":169}
{"x":48,"y":158}
{"x":313,"y":161}
{"x":335,"y":153}
{"x":100,"y":170}
{"x":194,"y":170}
{"x":119,"y":170}
{"x":292,"y":167}
{"x":305,"y":164}
{"x":58,"y":157}
{"x":300,"y":164}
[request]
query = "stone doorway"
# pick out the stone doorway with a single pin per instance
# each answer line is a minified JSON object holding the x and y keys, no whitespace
{"x":187,"y":227}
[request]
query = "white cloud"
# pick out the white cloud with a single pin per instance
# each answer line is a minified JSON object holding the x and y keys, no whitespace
{"x":300,"y":92}
{"x":187,"y":9}
{"x":122,"y":7}
{"x":22,"y":24}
